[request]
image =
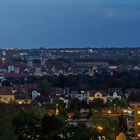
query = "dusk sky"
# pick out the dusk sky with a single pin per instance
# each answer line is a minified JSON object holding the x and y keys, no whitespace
{"x":69,"y":23}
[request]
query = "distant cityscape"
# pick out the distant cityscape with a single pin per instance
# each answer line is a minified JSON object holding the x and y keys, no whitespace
{"x":93,"y":90}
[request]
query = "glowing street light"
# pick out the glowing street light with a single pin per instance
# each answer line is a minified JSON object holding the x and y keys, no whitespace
{"x":56,"y":110}
{"x":100,"y":128}
{"x":109,"y":111}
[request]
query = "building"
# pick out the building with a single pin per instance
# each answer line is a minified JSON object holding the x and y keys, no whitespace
{"x":92,"y":95}
{"x":133,"y":121}
{"x":17,"y":70}
{"x":11,"y":68}
{"x":6,"y":95}
{"x":115,"y":94}
{"x":80,"y":95}
{"x":91,"y":71}
{"x":30,"y":63}
{"x":3,"y":68}
{"x":22,"y":99}
{"x":91,"y":63}
{"x":43,"y":61}
{"x":131,"y":91}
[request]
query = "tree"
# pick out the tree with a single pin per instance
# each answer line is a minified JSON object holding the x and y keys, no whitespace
{"x":45,"y":87}
{"x":74,"y":105}
{"x":122,"y":123}
{"x":6,"y":128}
{"x":31,"y":125}
{"x":97,"y":103}
{"x":117,"y":103}
{"x":81,"y":132}
{"x":76,"y":115}
{"x":134,"y":97}
{"x":27,"y":125}
{"x":52,"y":127}
{"x":105,"y":126}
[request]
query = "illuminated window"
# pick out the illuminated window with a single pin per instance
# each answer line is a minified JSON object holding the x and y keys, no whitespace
{"x":138,"y":135}
{"x":125,"y":111}
{"x":138,"y":112}
{"x":129,"y":111}
{"x":139,"y":123}
{"x":20,"y":102}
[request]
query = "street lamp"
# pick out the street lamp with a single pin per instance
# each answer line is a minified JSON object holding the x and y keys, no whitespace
{"x":100,"y":128}
{"x":109,"y":111}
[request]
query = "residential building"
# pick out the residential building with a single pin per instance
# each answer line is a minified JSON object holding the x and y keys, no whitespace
{"x":115,"y":93}
{"x":6,"y":95}
{"x":81,"y":95}
{"x":17,"y":70}
{"x":30,"y":63}
{"x":11,"y":68}
{"x":91,"y":63}
{"x":22,"y":99}
{"x":95,"y":94}
{"x":133,"y":120}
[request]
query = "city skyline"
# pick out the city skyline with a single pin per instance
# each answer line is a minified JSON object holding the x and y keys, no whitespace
{"x":75,"y":23}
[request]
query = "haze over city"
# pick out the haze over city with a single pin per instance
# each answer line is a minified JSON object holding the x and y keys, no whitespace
{"x":69,"y":23}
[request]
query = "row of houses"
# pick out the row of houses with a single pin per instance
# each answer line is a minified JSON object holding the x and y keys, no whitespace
{"x":22,"y":94}
{"x":91,"y":95}
{"x":18,"y":94}
{"x":9,"y":96}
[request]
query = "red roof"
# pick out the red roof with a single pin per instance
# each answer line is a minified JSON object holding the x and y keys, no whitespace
{"x":54,"y":63}
{"x":3,"y":65}
{"x":90,"y":60}
{"x":17,"y":74}
{"x":5,"y":91}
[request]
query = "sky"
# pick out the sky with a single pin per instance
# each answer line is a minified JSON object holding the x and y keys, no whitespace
{"x":69,"y":23}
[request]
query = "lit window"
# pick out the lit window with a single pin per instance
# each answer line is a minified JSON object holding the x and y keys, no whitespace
{"x":138,"y":135}
{"x":129,"y":111}
{"x":138,"y":112}
{"x":125,"y":111}
{"x":20,"y":102}
{"x":139,"y":123}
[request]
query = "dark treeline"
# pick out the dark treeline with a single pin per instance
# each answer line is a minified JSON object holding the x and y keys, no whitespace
{"x":98,"y":81}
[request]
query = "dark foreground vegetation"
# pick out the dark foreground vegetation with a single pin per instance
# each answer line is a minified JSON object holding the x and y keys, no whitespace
{"x":36,"y":123}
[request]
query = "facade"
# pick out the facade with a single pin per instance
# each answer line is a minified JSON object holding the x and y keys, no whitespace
{"x":30,"y":63}
{"x":17,"y":70}
{"x":114,"y":95}
{"x":6,"y":96}
{"x":22,"y":99}
{"x":11,"y":69}
{"x":81,"y":95}
{"x":91,"y":63}
{"x":133,"y":121}
{"x":92,"y":95}
{"x":91,"y":71}
{"x":3,"y":70}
